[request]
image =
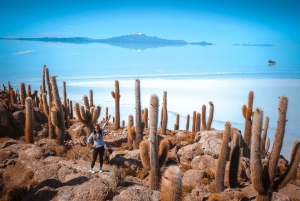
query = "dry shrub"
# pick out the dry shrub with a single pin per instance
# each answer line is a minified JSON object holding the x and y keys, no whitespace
{"x":59,"y":150}
{"x":79,"y":152}
{"x":33,"y":183}
{"x":4,"y":139}
{"x":121,"y":149}
{"x":191,"y":138}
{"x":205,"y":181}
{"x":209,"y":174}
{"x":126,"y":170}
{"x":215,"y":197}
{"x":119,"y":176}
{"x":241,"y":195}
{"x":184,"y":167}
{"x":242,"y":166}
{"x":186,"y":189}
{"x":22,"y":138}
{"x":127,"y":146}
{"x":29,"y":174}
{"x":142,"y":173}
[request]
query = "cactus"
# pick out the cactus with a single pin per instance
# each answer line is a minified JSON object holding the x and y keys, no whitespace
{"x":28,"y":91}
{"x":264,"y":178}
{"x":91,"y":98}
{"x":247,"y":113}
{"x":171,"y":184}
{"x":207,"y":125}
{"x":123,"y":123}
{"x":220,"y":173}
{"x":198,"y":122}
{"x":145,"y":117}
{"x":138,"y":121}
{"x":187,"y":122}
{"x":154,"y":171}
{"x":50,"y":98}
{"x":13,"y":98}
{"x":194,"y":121}
{"x":263,"y":138}
{"x":87,"y":115}
{"x":65,"y":106}
{"x":116,"y":95}
{"x":177,"y":121}
{"x":29,"y":120}
{"x":106,"y":113}
{"x":234,"y":160}
{"x":60,"y":127}
{"x":165,"y":115}
{"x":152,"y":157}
{"x":23,"y":93}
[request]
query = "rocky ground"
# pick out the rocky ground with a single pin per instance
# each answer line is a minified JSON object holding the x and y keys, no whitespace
{"x":47,"y":171}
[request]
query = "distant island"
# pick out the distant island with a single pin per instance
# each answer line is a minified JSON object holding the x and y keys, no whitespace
{"x":135,"y":41}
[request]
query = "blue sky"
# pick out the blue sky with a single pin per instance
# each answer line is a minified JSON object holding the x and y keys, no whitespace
{"x":217,"y":21}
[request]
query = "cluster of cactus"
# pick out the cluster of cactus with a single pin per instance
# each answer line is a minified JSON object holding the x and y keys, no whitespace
{"x":153,"y":158}
{"x":87,"y":114}
{"x":116,"y":95}
{"x":263,"y":177}
{"x":207,"y":125}
{"x":247,"y":114}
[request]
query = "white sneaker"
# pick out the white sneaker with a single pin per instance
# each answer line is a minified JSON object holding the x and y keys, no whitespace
{"x":92,"y":171}
{"x":100,"y":170}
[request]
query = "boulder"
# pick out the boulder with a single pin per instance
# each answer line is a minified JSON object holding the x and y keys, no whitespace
{"x":192,"y":177}
{"x":138,"y":193}
{"x":187,"y":153}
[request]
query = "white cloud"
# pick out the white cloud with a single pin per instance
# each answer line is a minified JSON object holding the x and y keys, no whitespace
{"x":24,"y":52}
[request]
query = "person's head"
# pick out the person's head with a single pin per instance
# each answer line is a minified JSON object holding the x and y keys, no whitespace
{"x":96,"y":129}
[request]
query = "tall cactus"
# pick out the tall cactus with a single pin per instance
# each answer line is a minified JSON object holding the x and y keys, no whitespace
{"x":138,"y":117}
{"x":207,"y":125}
{"x":177,"y":121}
{"x":154,"y":172}
{"x":263,"y":178}
{"x":264,"y":149}
{"x":152,"y":157}
{"x":234,"y":160}
{"x":50,"y":98}
{"x":187,"y":126}
{"x":198,"y":122}
{"x":247,"y":113}
{"x":116,"y":95}
{"x":145,"y":117}
{"x":194,"y":121}
{"x":165,"y":115}
{"x":220,"y":173}
{"x":60,"y":127}
{"x":65,"y":106}
{"x":23,"y":93}
{"x":29,"y":120}
{"x":171,"y":184}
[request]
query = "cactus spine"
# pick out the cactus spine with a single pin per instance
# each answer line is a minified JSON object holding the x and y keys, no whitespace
{"x":220,"y":173}
{"x":29,"y":120}
{"x":165,"y":115}
{"x":198,"y":122}
{"x":171,"y":184}
{"x":263,"y":178}
{"x":138,"y":121}
{"x":116,"y":96}
{"x":60,"y":127}
{"x":187,"y":126}
{"x":247,"y":113}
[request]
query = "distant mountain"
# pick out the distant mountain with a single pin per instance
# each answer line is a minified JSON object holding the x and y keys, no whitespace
{"x":259,"y":45}
{"x":136,"y":41}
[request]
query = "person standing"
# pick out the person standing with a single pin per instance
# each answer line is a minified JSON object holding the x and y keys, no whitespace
{"x":96,"y":140}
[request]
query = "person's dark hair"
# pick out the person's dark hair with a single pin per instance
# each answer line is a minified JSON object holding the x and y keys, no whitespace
{"x":97,"y":135}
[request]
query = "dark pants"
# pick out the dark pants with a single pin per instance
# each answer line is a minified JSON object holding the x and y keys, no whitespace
{"x":96,"y":151}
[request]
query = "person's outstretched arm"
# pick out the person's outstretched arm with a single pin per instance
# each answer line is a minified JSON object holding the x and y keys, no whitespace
{"x":105,"y":123}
